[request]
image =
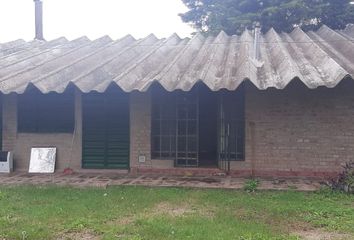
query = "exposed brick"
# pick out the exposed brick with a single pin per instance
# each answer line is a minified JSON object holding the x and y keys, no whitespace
{"x":298,"y":131}
{"x":290,"y":132}
{"x":68,"y":148}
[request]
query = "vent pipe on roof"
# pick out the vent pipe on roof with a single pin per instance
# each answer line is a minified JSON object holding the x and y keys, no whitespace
{"x":38,"y":5}
{"x":257,"y":33}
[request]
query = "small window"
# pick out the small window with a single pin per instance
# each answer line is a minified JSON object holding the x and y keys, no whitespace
{"x":45,"y":113}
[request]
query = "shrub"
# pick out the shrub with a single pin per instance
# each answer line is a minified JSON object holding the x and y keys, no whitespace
{"x":345,"y":180}
{"x":251,"y":185}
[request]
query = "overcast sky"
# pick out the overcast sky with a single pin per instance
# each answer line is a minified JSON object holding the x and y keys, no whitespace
{"x":93,"y":18}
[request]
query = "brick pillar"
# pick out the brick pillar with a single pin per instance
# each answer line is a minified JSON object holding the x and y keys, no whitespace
{"x":140,"y":129}
{"x":75,"y":158}
{"x":9,"y":124}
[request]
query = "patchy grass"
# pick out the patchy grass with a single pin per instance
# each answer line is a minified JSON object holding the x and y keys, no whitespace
{"x":172,"y":213}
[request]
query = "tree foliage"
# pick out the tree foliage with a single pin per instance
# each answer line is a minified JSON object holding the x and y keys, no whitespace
{"x":233,"y":16}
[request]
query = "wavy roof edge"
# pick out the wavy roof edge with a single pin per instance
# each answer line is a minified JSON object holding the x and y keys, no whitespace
{"x":317,"y":58}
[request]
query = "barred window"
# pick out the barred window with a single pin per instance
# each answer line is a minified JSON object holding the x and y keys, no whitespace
{"x":163,"y":125}
{"x":176,"y":120}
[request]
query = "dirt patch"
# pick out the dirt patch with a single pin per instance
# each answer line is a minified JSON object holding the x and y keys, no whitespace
{"x":243,"y":214}
{"x":84,"y":235}
{"x":173,"y":210}
{"x":251,"y":215}
{"x":165,"y":208}
{"x":319,"y":234}
{"x":300,"y":229}
{"x":125,"y":220}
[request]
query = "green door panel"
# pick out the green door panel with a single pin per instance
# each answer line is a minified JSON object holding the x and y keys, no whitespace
{"x":105,"y":130}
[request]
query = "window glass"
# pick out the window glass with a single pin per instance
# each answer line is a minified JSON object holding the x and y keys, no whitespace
{"x":45,"y":113}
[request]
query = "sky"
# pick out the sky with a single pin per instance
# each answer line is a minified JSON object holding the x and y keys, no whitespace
{"x":93,"y":18}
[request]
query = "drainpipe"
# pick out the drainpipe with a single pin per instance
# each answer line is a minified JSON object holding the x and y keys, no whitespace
{"x":257,"y":33}
{"x":38,"y":7}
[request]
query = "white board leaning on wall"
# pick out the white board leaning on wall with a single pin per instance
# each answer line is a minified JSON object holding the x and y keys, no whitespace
{"x":42,"y":160}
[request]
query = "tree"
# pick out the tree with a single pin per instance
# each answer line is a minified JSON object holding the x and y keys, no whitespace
{"x":233,"y":16}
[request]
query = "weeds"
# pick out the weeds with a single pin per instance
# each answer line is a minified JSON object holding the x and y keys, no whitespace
{"x":251,"y":185}
{"x":345,"y":180}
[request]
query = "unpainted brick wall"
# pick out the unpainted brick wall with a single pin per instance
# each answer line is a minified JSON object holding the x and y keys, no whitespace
{"x":68,"y":145}
{"x":300,"y":130}
{"x":295,"y":131}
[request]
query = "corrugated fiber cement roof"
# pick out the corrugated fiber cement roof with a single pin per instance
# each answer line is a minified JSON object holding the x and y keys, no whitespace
{"x":321,"y":58}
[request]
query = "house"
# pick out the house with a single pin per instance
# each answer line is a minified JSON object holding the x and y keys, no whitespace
{"x":273,"y":104}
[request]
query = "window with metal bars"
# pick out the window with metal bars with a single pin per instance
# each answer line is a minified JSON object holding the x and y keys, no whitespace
{"x":45,"y":113}
{"x":168,"y":124}
{"x":163,"y":144}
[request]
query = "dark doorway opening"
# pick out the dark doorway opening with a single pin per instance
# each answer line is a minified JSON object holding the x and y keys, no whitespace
{"x":208,"y":108}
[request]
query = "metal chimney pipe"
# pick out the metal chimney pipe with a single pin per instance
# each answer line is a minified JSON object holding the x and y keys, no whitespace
{"x":257,"y":33}
{"x":38,"y":5}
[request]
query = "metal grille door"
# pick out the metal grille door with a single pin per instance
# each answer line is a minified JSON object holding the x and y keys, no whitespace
{"x":231,"y":129}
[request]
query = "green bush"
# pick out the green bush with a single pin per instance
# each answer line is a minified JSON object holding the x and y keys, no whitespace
{"x":345,"y":180}
{"x":251,"y":185}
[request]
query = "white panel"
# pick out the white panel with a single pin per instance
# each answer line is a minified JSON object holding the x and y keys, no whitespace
{"x":42,"y":160}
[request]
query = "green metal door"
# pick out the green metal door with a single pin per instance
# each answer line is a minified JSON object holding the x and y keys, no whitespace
{"x":105,"y":130}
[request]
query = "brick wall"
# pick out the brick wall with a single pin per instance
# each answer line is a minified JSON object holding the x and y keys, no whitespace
{"x":298,"y":131}
{"x":68,"y":145}
{"x":290,"y":132}
{"x":140,"y":133}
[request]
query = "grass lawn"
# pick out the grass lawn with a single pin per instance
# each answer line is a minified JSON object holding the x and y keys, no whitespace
{"x":171,"y":213}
